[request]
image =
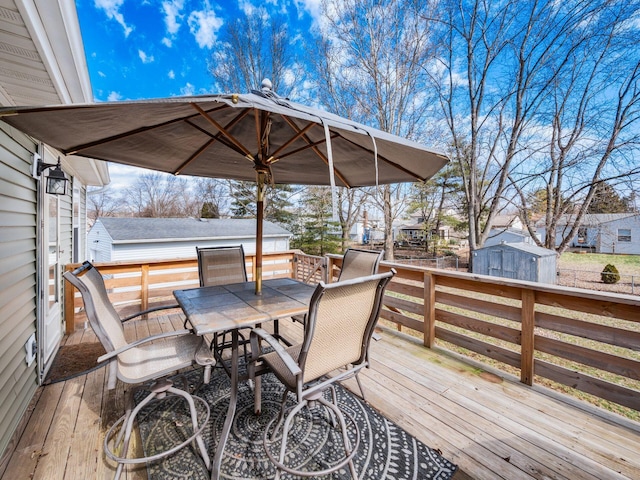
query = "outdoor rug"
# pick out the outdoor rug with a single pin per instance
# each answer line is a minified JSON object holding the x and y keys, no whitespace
{"x":385,"y":451}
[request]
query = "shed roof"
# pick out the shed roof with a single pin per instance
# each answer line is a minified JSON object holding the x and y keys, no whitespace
{"x":125,"y":229}
{"x":525,"y":247}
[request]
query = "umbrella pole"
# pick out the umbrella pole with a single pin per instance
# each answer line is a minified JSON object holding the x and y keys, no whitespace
{"x":262,"y":175}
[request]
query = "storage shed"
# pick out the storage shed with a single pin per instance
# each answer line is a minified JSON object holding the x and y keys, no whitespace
{"x":112,"y":239}
{"x":520,"y":261}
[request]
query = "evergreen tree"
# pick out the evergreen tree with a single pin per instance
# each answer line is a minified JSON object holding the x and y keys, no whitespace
{"x":320,"y":233}
{"x":607,"y":200}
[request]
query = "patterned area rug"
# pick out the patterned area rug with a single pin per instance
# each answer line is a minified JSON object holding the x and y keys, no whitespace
{"x":385,"y":452}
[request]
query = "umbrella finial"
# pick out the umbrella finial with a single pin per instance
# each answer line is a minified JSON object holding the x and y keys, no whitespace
{"x":267,"y":85}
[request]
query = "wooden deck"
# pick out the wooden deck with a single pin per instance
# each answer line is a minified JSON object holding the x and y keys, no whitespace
{"x":491,"y":425}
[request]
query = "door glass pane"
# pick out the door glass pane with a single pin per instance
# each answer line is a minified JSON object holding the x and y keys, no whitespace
{"x":53,"y":251}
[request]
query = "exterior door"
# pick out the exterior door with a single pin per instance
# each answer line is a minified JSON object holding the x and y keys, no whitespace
{"x":50,"y":328}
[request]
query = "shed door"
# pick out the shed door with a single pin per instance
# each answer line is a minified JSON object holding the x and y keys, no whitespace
{"x":502,"y":263}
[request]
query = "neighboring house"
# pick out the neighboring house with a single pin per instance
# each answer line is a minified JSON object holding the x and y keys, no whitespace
{"x":601,"y":232}
{"x":509,"y":235}
{"x":416,"y":232}
{"x":519,"y":261}
{"x":505,"y":222}
{"x":43,"y":62}
{"x":115,"y":238}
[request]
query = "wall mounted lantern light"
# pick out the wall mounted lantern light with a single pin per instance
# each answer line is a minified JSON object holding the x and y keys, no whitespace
{"x":56,"y":180}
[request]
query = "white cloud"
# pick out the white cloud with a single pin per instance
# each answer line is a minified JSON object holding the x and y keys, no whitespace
{"x":167,"y":42}
{"x":204,"y":25}
{"x":102,"y":74}
{"x":173,"y":15}
{"x":144,"y":57}
{"x":114,"y":97}
{"x":314,"y":7}
{"x":112,"y":10}
{"x":171,"y":74}
{"x":188,"y":90}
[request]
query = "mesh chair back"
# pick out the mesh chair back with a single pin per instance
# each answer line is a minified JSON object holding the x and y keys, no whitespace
{"x":359,"y":263}
{"x":221,"y":265}
{"x":103,"y":318}
{"x":340,"y":323}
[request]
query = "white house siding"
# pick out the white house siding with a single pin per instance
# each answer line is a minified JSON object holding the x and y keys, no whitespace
{"x":608,"y":241}
{"x":99,"y":244}
{"x":170,"y":250}
{"x":18,"y":226}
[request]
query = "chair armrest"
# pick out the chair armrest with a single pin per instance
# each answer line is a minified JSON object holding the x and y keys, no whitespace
{"x":142,"y":341}
{"x":277,"y":347}
{"x":150,"y":310}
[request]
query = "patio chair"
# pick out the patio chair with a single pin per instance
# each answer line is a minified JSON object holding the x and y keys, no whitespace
{"x":341,"y":319}
{"x":222,"y":266}
{"x":147,"y":359}
{"x":356,"y":263}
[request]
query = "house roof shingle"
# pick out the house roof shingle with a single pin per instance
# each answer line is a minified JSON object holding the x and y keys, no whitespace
{"x":132,"y":229}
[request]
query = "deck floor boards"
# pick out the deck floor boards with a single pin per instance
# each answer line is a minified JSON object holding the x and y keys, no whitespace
{"x":488,"y":423}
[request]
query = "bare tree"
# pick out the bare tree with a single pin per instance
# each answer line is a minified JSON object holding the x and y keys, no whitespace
{"x":102,"y":202}
{"x":213,"y":193}
{"x":159,"y":195}
{"x":369,"y":69}
{"x":253,"y":46}
{"x":498,"y":78}
{"x":593,"y":116}
{"x":350,"y":203}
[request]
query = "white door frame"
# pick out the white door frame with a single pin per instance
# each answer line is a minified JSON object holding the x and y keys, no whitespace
{"x":49,"y":329}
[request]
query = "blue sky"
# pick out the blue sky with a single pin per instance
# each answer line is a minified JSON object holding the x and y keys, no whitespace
{"x":161,"y":48}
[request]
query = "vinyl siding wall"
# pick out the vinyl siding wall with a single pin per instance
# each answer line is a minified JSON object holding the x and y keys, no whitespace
{"x":18,"y":225}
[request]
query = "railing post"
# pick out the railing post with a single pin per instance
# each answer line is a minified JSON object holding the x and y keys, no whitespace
{"x":69,"y":304}
{"x":527,"y":347}
{"x":429,"y":310}
{"x":144,"y":288}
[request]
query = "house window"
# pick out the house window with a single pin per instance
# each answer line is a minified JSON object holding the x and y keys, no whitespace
{"x":624,"y":234}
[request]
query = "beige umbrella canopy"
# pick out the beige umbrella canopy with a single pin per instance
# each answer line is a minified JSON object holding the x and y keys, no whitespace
{"x":257,"y":136}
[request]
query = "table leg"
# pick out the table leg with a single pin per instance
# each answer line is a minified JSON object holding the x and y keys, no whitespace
{"x":233,"y":399}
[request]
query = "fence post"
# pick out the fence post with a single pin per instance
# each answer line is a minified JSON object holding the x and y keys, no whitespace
{"x":429,"y":310}
{"x":527,"y":347}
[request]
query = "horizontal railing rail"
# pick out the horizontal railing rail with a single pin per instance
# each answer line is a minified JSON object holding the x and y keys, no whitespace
{"x":583,"y":339}
{"x":136,"y":286}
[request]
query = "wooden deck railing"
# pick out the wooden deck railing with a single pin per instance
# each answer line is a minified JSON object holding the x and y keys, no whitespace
{"x":584,"y":339}
{"x":580,"y":338}
{"x":136,"y":286}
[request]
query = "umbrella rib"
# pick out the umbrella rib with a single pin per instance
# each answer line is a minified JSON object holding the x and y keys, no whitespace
{"x":315,"y":148}
{"x":223,"y":130}
{"x":220,"y":136}
{"x":292,"y":139}
{"x":178,"y":171}
{"x":79,"y":148}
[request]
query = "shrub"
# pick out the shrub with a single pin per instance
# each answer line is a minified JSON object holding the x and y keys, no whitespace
{"x":610,"y":274}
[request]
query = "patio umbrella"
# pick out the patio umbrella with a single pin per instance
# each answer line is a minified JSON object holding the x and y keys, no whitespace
{"x":258,"y":136}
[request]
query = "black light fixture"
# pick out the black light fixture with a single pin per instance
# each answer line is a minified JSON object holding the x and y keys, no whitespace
{"x":56,"y":180}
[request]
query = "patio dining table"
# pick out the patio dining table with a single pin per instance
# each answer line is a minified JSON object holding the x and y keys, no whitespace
{"x":231,"y":307}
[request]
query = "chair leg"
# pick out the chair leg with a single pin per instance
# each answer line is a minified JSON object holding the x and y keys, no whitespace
{"x":194,"y":423}
{"x":335,"y":411}
{"x":158,"y":391}
{"x":360,"y":386}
